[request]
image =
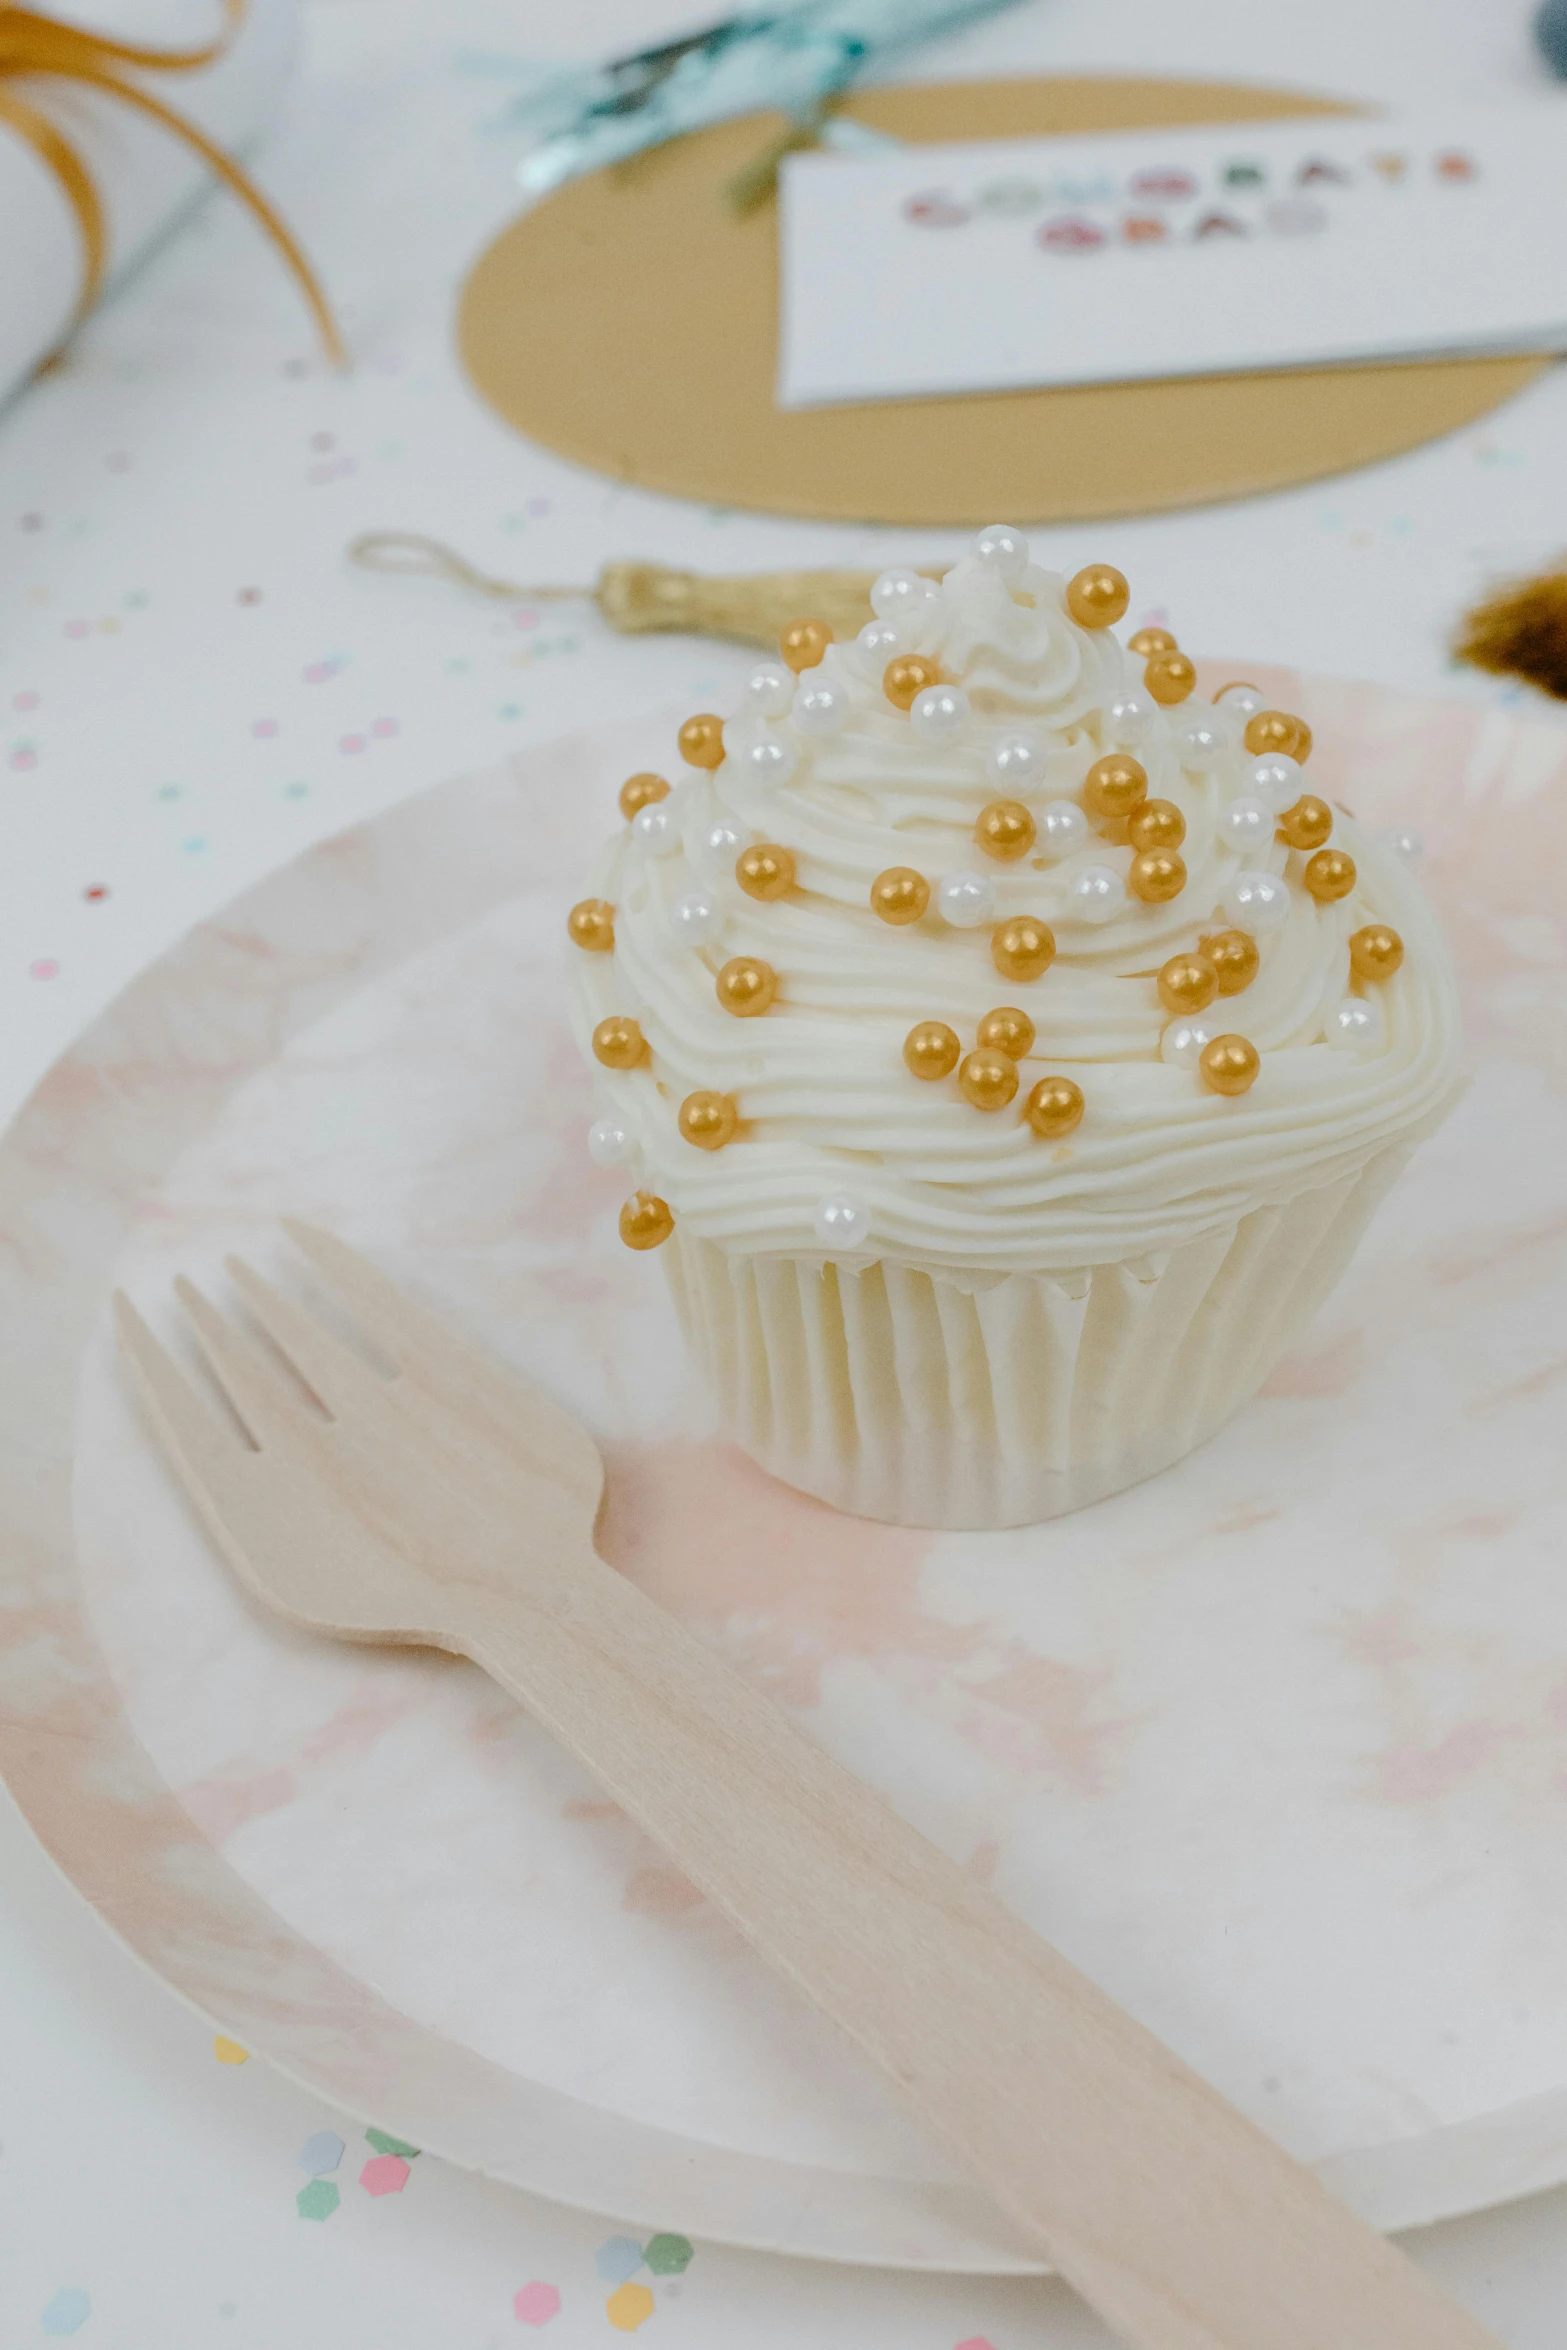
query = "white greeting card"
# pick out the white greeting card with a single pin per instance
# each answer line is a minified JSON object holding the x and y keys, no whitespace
{"x":995,"y":264}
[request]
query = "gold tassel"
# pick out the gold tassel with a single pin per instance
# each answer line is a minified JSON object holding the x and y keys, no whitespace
{"x":1520,"y":630}
{"x":751,"y":609}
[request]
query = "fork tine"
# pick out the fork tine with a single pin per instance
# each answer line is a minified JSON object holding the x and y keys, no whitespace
{"x":270,"y":1413}
{"x":379,"y":1305}
{"x":335,"y":1375}
{"x":204,"y":1447}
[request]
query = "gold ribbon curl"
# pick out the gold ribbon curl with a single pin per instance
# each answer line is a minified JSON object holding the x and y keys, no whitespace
{"x":31,"y":43}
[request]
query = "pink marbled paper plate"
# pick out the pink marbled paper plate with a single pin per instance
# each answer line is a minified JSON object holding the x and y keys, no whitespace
{"x":1275,"y":1746}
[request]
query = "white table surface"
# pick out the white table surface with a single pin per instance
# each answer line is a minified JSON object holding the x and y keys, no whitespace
{"x":193,"y":686}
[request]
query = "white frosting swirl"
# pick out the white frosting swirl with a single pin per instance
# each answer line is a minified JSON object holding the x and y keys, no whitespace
{"x":825,"y":1102}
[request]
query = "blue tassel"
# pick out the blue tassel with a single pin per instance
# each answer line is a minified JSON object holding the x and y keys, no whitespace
{"x":1550,"y":30}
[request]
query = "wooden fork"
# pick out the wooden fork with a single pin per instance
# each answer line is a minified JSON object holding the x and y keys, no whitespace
{"x":452,"y":1506}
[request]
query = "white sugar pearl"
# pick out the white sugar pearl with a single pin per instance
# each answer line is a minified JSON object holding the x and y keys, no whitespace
{"x":1247,"y":825}
{"x":1001,"y":548}
{"x":1257,"y":901}
{"x":1097,"y":894}
{"x":1405,"y":842}
{"x":1277,"y":779}
{"x":1201,"y":741}
{"x":821,"y":705}
{"x":940,"y":714}
{"x":882,"y":641}
{"x":609,"y":1144}
{"x":1017,"y":760}
{"x":725,"y":839}
{"x":1063,"y":827}
{"x":1128,"y":718}
{"x":966,"y":899}
{"x":768,"y":690}
{"x":656,"y":828}
{"x":696,"y":916}
{"x":1358,"y":1025}
{"x":901,"y":592}
{"x":770,"y":760}
{"x":1246,"y":700}
{"x":840,"y":1221}
{"x":1182,"y":1042}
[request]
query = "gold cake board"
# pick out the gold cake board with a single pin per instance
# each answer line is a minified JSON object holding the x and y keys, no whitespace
{"x":630,"y":322}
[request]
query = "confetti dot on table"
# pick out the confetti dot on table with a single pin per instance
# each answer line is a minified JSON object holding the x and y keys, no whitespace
{"x":509,"y":710}
{"x":95,"y":893}
{"x":617,"y":2258}
{"x":975,"y":2342}
{"x":136,"y":600}
{"x":24,"y":701}
{"x":384,"y":2174}
{"x":32,"y":522}
{"x":45,"y":968}
{"x":69,"y":2308}
{"x":352,"y":742}
{"x":668,"y":2256}
{"x":536,"y":2304}
{"x":318,"y":2200}
{"x":25,"y":759}
{"x":170,"y":791}
{"x":322,"y":2151}
{"x":248,"y":596}
{"x":229,"y":2051}
{"x":295,"y":791}
{"x":264,"y":729}
{"x":629,"y":2308}
{"x":383,"y":726}
{"x":323,"y":440}
{"x":385,"y":2143}
{"x":538,"y":505}
{"x":318,"y":672}
{"x":119,"y":461}
{"x":76,"y":628}
{"x":194,"y":846}
{"x":525,"y":620}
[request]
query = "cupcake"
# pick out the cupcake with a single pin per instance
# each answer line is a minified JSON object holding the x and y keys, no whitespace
{"x":1008,"y":1047}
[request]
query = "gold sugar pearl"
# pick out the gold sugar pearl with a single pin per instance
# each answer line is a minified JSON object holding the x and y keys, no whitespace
{"x":708,"y":1119}
{"x":988,"y":1079}
{"x":1234,"y":955}
{"x":646,"y":1221}
{"x":746,"y":986}
{"x":1005,"y":830}
{"x":803,"y":643}
{"x":1007,"y":1030}
{"x":1098,"y":596}
{"x":1229,"y":1064}
{"x":592,"y":926}
{"x":899,"y":895}
{"x":1054,"y":1108}
{"x":640,"y":791}
{"x":1156,"y":876}
{"x":909,"y":674}
{"x":1157,"y":824}
{"x":766,"y":871}
{"x":1170,"y":677}
{"x":1188,"y":984}
{"x":702,"y":740}
{"x":1023,"y":948}
{"x":618,"y":1042}
{"x":931,"y":1050}
{"x":1375,"y":952}
{"x":1330,"y":875}
{"x":1149,"y":641}
{"x":1115,"y":785}
{"x":1307,"y":824}
{"x":1278,"y":730}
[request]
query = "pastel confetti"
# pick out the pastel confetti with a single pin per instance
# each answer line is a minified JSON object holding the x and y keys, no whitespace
{"x":630,"y":2307}
{"x":975,"y":2342}
{"x":47,"y":968}
{"x":317,"y":2201}
{"x":384,"y":2174}
{"x":385,"y":2143}
{"x":229,"y":2051}
{"x":618,"y":2258}
{"x":671,"y":2256}
{"x":70,"y":2308}
{"x":322,"y":2152}
{"x":536,"y":2304}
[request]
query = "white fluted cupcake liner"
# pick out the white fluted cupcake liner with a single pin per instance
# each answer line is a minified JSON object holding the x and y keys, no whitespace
{"x":947,"y":1399}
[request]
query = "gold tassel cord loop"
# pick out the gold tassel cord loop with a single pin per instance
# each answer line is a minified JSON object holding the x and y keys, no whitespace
{"x":752,"y":608}
{"x":35,"y":44}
